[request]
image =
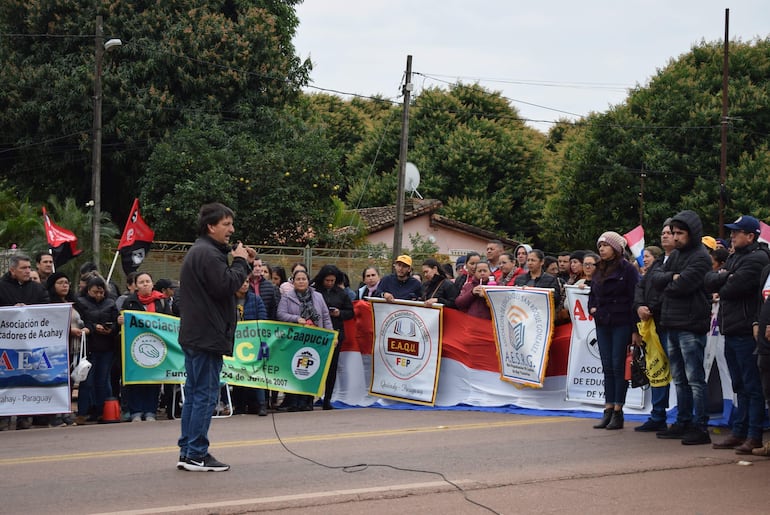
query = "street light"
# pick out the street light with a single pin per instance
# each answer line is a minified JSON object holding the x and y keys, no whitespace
{"x":96,"y":160}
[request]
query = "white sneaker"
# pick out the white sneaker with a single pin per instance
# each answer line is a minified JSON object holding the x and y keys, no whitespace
{"x":136,"y":418}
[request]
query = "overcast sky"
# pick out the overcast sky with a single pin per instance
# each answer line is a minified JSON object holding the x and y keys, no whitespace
{"x":567,"y":57}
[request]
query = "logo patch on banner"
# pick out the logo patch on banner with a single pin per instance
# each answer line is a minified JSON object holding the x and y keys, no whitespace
{"x":523,"y":323}
{"x":407,"y":350}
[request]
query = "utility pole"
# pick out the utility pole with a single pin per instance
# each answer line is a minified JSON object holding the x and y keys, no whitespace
{"x":642,"y":176}
{"x":96,"y":153}
{"x":399,"y":228}
{"x":723,"y":160}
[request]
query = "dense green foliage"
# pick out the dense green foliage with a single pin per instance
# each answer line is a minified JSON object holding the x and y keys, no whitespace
{"x":203,"y":102}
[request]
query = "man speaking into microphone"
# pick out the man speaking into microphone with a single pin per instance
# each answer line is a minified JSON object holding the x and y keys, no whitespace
{"x":207,"y":328}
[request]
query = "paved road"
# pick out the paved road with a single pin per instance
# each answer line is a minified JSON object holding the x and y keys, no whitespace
{"x":376,"y":461}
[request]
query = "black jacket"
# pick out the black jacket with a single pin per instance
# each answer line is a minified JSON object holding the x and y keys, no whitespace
{"x":441,"y":288}
{"x":544,"y":281}
{"x":738,"y":287}
{"x":104,"y":313}
{"x":686,"y":307}
{"x":13,"y":292}
{"x":207,"y":301}
{"x":271,"y":296}
{"x":613,"y":296}
{"x":338,"y":298}
{"x":646,"y":295}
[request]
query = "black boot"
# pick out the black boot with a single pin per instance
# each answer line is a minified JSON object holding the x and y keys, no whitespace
{"x":605,"y":419}
{"x":617,"y":420}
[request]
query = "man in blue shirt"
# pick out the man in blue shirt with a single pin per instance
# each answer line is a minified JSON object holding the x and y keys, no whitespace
{"x":400,"y":284}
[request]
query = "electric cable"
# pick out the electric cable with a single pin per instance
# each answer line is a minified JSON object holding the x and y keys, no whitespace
{"x":360,"y":467}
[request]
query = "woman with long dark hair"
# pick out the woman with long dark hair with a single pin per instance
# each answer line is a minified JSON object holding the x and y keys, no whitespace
{"x":437,"y":287}
{"x":610,"y":302}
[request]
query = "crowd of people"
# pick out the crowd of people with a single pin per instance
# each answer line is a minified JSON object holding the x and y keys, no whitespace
{"x":676,"y":286}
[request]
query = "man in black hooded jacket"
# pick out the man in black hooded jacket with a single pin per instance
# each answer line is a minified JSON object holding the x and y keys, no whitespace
{"x":686,"y":315}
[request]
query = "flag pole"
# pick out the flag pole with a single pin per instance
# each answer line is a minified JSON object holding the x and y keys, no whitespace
{"x":112,"y":267}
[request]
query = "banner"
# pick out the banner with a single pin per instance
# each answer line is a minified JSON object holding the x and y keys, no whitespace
{"x":523,"y":324}
{"x":407,"y":347}
{"x":135,"y":242}
{"x":277,"y":355}
{"x":585,"y":376}
{"x":63,"y":243}
{"x":34,"y":360}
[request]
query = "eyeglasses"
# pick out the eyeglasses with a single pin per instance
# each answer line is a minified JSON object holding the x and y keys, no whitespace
{"x":589,"y":264}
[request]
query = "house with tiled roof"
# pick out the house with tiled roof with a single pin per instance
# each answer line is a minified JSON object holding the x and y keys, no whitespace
{"x":453,"y":238}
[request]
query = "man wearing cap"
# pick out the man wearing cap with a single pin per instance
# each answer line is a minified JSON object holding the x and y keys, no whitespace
{"x":400,"y":284}
{"x":686,"y":316}
{"x":738,"y":286}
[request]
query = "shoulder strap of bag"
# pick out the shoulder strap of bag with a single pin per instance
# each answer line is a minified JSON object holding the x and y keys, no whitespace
{"x":82,"y":345}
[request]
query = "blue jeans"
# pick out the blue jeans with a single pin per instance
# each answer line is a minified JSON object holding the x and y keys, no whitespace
{"x":613,"y":342}
{"x":659,"y":394}
{"x":201,"y":392}
{"x":96,"y":388}
{"x":749,"y":413}
{"x":685,"y":355}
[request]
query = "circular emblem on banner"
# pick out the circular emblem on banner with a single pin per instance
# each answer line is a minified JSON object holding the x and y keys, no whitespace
{"x":592,"y":344}
{"x":148,"y":351}
{"x":406,"y":344}
{"x":305,"y":363}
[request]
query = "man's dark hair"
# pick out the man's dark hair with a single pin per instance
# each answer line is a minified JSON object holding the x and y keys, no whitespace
{"x":211,"y":214}
{"x":564,"y":253}
{"x":40,"y":255}
{"x":678,"y":224}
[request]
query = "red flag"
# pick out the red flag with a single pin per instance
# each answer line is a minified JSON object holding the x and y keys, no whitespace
{"x":764,"y":232}
{"x":135,"y":242}
{"x":63,"y":243}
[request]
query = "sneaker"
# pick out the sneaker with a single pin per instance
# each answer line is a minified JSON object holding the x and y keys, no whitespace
{"x":696,"y":437}
{"x":180,"y":463}
{"x":23,"y":422}
{"x":262,"y":411}
{"x":675,"y":431}
{"x":136,"y":418}
{"x":762,"y":451}
{"x":652,"y":426}
{"x":206,"y":464}
{"x":150,"y":418}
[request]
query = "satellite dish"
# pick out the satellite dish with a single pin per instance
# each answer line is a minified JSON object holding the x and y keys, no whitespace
{"x":412,"y":179}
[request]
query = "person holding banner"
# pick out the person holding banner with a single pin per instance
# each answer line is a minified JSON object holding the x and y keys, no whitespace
{"x":537,"y":278}
{"x":207,"y":328}
{"x":610,"y":302}
{"x":437,"y":288}
{"x":400,"y":284}
{"x":471,"y":299}
{"x":305,"y":306}
{"x":143,"y":398}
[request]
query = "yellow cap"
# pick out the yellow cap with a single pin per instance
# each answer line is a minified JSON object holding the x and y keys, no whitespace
{"x":404,"y":259}
{"x":710,"y":242}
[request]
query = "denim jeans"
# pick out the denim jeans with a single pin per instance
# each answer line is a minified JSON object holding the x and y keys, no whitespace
{"x":763,"y":364}
{"x":613,"y":342}
{"x":201,"y":392}
{"x":96,"y":388}
{"x":659,"y":394}
{"x":685,"y":355}
{"x":749,"y":413}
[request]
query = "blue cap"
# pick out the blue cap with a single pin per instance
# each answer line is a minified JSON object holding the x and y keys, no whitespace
{"x":745,"y":223}
{"x":460,"y":262}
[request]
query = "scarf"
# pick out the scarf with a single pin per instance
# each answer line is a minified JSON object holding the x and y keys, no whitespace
{"x":148,"y":301}
{"x":505,"y":280}
{"x":306,"y":306}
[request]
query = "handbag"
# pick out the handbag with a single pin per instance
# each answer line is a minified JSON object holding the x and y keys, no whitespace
{"x":636,"y":371}
{"x":83,"y":367}
{"x":657,"y":365}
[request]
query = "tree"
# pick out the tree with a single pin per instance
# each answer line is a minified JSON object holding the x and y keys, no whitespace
{"x":179,"y":59}
{"x":669,"y":131}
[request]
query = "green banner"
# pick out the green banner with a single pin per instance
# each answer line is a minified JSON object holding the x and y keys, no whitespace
{"x":276,"y":355}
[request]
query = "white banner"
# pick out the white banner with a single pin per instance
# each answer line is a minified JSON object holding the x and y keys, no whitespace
{"x":585,"y":377}
{"x":523,"y":324}
{"x":34,"y":360}
{"x":406,"y":352}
